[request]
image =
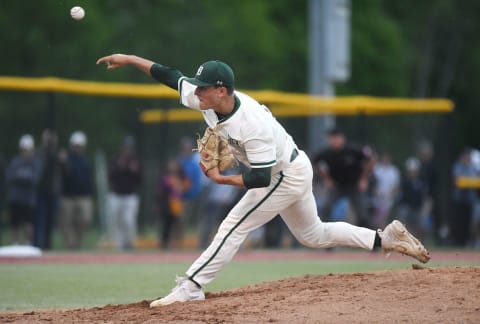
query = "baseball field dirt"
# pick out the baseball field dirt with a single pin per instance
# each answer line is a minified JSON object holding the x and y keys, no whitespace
{"x":416,"y":295}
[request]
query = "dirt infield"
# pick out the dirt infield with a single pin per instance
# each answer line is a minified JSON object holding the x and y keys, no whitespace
{"x":426,"y":295}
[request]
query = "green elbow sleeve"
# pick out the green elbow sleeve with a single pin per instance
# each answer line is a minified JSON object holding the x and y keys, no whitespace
{"x":166,"y":75}
{"x":257,"y":178}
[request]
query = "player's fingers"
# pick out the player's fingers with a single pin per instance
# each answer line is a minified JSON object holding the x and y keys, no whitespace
{"x":108,"y":61}
{"x":102,"y":59}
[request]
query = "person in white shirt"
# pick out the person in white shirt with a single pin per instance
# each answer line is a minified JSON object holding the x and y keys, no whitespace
{"x":278,"y":176}
{"x":387,"y":186}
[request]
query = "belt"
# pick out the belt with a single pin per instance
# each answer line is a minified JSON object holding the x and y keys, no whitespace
{"x":294,"y":155}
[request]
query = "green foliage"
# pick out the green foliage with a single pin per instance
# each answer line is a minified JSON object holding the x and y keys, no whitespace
{"x":379,"y":53}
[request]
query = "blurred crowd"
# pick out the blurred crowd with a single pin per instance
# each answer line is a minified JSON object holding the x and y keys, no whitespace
{"x":46,"y":189}
{"x":41,"y":182}
{"x":365,"y":187}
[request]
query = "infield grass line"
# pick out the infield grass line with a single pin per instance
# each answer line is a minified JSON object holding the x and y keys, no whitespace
{"x":62,"y":286}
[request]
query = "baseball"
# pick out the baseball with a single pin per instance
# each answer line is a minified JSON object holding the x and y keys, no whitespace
{"x":77,"y":13}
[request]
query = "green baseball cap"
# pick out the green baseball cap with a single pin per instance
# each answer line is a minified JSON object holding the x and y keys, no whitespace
{"x":213,"y":73}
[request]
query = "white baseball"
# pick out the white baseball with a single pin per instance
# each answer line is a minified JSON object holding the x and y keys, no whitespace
{"x":77,"y":13}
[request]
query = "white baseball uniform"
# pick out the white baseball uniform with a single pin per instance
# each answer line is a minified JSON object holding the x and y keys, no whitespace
{"x":258,"y":140}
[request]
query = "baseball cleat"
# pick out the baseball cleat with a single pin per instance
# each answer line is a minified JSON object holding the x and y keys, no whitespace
{"x":395,"y":237}
{"x":185,"y":290}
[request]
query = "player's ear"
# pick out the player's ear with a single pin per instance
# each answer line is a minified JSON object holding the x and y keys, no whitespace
{"x":223,"y":91}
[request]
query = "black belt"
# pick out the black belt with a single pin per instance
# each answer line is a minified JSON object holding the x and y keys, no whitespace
{"x":294,"y":155}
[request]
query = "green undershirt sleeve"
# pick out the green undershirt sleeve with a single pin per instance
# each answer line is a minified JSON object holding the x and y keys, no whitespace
{"x":257,"y":177}
{"x":166,"y":75}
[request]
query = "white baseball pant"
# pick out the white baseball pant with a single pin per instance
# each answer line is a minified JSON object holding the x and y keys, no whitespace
{"x":123,"y":211}
{"x":290,"y":195}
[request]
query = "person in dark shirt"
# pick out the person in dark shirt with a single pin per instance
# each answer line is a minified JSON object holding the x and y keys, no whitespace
{"x":48,"y":190}
{"x":124,"y":178}
{"x":77,"y":192}
{"x":21,"y":180}
{"x":429,"y":175}
{"x":345,"y":170}
{"x":413,"y":191}
{"x":3,"y":167}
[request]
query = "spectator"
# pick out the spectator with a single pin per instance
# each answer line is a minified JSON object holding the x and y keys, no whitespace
{"x":77,"y":192}
{"x":464,"y":200}
{"x":21,"y":180}
{"x":170,"y":204}
{"x":48,"y":190}
{"x":429,"y":176}
{"x":276,"y":234}
{"x":123,"y":200}
{"x":346,"y":170}
{"x":189,"y":160}
{"x":3,"y":166}
{"x":386,"y":189}
{"x":412,"y":195}
{"x":475,"y":157}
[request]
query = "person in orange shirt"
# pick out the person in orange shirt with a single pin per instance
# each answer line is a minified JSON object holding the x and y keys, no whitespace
{"x":170,"y":189}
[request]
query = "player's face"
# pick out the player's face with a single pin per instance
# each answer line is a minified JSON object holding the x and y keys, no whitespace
{"x":209,"y":96}
{"x":336,"y":142}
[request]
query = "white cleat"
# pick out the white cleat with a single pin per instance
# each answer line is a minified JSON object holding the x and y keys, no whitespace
{"x":185,"y":290}
{"x":395,"y":237}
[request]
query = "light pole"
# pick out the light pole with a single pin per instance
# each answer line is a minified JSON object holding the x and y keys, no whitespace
{"x":329,"y":59}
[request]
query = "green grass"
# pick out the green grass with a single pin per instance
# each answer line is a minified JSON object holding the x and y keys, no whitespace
{"x":42,"y":286}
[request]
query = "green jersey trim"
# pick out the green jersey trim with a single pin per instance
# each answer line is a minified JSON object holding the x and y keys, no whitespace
{"x":263,"y":163}
{"x":235,"y":109}
{"x":237,"y":225}
{"x":180,"y":87}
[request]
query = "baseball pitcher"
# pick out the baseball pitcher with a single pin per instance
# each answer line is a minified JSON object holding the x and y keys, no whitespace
{"x":278,"y":175}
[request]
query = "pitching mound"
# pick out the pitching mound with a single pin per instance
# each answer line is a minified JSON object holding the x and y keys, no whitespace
{"x":427,"y":295}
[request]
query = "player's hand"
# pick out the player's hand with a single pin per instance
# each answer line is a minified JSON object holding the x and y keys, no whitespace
{"x":363,"y":184}
{"x":214,"y":174}
{"x":114,"y":61}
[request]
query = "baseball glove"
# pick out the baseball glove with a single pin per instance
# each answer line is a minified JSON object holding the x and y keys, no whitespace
{"x":226,"y":158}
{"x":214,"y":151}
